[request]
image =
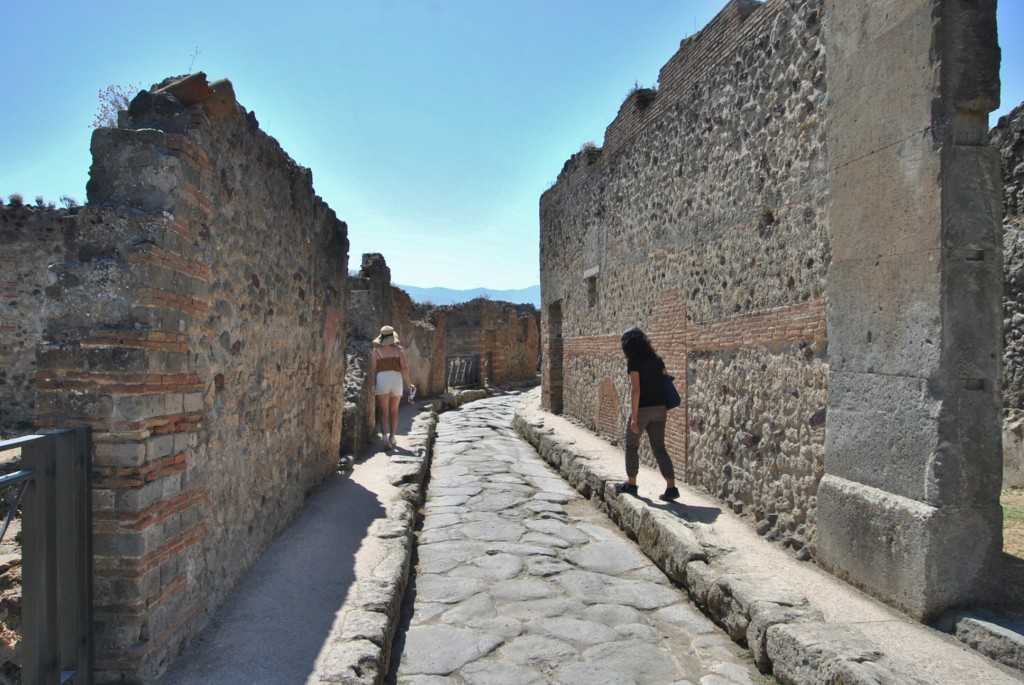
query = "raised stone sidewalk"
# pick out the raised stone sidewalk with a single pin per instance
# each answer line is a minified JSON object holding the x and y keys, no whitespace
{"x":797,"y":620}
{"x":800,"y":622}
{"x":520,"y":581}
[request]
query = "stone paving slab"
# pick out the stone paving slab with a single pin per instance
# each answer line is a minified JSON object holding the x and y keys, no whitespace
{"x":535,"y":586}
{"x":800,"y":622}
{"x":849,"y":637}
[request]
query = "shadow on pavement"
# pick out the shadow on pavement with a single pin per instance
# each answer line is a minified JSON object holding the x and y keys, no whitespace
{"x":272,"y":628}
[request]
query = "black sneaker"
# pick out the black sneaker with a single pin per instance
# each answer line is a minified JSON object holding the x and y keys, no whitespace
{"x":626,"y":489}
{"x":669,"y":494}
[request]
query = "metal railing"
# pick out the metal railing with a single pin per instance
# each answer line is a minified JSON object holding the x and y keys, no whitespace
{"x":53,"y":491}
{"x":463,"y":371}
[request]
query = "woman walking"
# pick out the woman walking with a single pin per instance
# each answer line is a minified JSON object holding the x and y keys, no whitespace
{"x":648,"y":411}
{"x":390,"y":370}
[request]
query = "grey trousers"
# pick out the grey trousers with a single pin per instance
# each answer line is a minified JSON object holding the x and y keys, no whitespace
{"x":652,"y":420}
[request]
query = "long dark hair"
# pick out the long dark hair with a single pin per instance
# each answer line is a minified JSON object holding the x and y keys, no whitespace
{"x":636,"y":345}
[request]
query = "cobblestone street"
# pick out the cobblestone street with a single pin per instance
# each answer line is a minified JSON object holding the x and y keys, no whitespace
{"x":520,"y":581}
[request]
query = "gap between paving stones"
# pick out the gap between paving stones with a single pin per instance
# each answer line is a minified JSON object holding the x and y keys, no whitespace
{"x":788,"y":634}
{"x":361,"y":646}
{"x":841,"y":636}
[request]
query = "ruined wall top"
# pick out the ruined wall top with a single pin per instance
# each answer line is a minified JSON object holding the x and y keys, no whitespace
{"x":198,"y":318}
{"x":697,"y":57}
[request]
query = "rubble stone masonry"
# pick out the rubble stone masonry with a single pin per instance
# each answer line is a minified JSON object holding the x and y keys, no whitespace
{"x":702,"y":221}
{"x":31,"y":240}
{"x":198,"y":324}
{"x":505,"y":336}
{"x":815,"y":253}
{"x":1008,"y":137}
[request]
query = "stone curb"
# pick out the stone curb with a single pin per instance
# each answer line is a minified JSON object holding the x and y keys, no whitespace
{"x":360,"y":649}
{"x":784,"y":631}
{"x":997,"y":638}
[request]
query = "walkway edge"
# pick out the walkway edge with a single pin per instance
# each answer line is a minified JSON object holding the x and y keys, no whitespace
{"x":360,"y":647}
{"x":787,"y":634}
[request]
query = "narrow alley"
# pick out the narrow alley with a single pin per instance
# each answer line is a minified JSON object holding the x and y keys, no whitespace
{"x":519,"y":580}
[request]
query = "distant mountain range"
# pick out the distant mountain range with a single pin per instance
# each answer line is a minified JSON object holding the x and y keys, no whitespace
{"x":529,"y":295}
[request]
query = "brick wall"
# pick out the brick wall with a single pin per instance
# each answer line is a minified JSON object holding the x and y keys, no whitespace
{"x":205,"y":345}
{"x":702,"y":220}
{"x":504,"y":335}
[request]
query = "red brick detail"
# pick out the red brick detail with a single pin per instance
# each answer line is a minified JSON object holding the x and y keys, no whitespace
{"x":182,"y":228}
{"x":146,"y":340}
{"x":180,"y":423}
{"x":196,"y":198}
{"x":127,"y":661}
{"x":184,"y":149}
{"x":779,"y":326}
{"x":155,"y":297}
{"x":136,"y":476}
{"x":148,"y":253}
{"x":167,"y":592}
{"x":123,"y":383}
{"x":133,"y":568}
{"x":609,"y":409}
{"x":595,"y":345}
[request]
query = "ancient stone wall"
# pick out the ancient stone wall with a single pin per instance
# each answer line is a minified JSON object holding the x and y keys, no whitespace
{"x":505,"y":336}
{"x":198,"y":323}
{"x":31,"y":240}
{"x":702,"y":221}
{"x":908,"y":508}
{"x":1008,"y":137}
{"x":818,"y":249}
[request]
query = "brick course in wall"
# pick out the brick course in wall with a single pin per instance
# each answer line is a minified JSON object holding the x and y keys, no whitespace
{"x":702,"y":220}
{"x":205,"y":346}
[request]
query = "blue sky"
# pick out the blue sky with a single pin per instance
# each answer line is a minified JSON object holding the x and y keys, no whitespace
{"x":431,"y":126}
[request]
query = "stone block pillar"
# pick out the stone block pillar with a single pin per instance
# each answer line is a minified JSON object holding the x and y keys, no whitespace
{"x":909,"y":507}
{"x":552,"y":371}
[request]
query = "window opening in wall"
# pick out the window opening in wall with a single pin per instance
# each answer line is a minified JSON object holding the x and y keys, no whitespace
{"x":590,"y":276}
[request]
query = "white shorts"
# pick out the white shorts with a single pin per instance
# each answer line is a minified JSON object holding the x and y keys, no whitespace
{"x":389,"y":383}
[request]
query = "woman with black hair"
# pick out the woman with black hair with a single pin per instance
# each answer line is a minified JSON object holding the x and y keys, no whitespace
{"x":648,"y":412}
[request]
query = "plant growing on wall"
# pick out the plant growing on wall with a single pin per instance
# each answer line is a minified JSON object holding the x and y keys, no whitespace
{"x":113,"y":99}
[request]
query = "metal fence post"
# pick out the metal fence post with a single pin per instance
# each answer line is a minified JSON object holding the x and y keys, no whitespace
{"x":39,"y":568}
{"x":74,"y":555}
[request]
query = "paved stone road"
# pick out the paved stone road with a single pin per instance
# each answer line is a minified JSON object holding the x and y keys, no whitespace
{"x":519,"y":581}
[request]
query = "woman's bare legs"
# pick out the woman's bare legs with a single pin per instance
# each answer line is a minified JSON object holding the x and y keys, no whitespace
{"x":383,"y":414}
{"x":393,"y":406}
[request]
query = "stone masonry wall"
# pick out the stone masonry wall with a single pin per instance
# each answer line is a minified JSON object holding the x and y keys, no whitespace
{"x":703,"y":221}
{"x":1008,"y":137}
{"x":198,"y":323}
{"x":506,"y":336}
{"x":31,"y":240}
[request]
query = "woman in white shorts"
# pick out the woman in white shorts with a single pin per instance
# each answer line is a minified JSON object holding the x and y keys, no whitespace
{"x":391,"y":373}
